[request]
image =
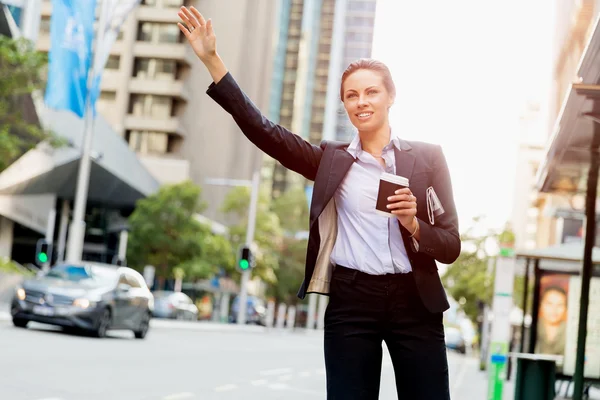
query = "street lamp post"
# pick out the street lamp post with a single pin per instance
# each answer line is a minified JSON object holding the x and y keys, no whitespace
{"x":77,"y":228}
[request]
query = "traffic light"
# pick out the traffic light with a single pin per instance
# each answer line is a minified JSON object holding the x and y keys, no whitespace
{"x":43,"y":252}
{"x":245,"y":261}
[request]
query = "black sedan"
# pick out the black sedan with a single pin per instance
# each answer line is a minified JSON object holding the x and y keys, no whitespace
{"x":91,"y":297}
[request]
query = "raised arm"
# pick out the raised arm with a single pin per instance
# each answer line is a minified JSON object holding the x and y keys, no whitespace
{"x":289,"y":149}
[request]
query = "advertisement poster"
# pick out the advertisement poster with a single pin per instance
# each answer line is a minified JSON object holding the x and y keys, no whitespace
{"x":558,"y":319}
{"x":592,"y":344}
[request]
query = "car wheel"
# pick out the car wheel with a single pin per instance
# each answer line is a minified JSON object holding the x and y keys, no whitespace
{"x":103,"y":324}
{"x":142,"y":330}
{"x":20,"y":322}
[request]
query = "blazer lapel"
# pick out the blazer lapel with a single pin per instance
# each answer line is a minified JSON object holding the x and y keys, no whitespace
{"x":340,"y":164}
{"x":405,"y":160}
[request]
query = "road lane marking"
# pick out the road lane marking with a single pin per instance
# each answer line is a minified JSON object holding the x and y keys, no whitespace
{"x":320,"y":371}
{"x":259,"y":382}
{"x":278,"y":386}
{"x":50,"y":398}
{"x":225,"y":388}
{"x":278,"y":371}
{"x":285,"y":377}
{"x":304,"y":374}
{"x":179,"y":396}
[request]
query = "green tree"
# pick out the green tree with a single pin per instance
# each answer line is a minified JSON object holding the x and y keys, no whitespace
{"x":267,"y":235}
{"x":292,"y":209}
{"x":469,"y":280}
{"x":21,"y":73}
{"x":166,"y":234}
{"x":290,"y":272}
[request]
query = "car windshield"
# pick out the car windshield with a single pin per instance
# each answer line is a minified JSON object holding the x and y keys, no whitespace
{"x":82,"y":273}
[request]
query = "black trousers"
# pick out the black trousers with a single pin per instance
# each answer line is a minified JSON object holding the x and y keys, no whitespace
{"x":365,"y":310}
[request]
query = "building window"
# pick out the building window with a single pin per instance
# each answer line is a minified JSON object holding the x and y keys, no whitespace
{"x":141,"y":67}
{"x":106,"y":101}
{"x":113,"y":62}
{"x":45,"y":24}
{"x":360,"y":21}
{"x":165,"y":69}
{"x":356,"y":53}
{"x":158,"y":33}
{"x":145,"y":32}
{"x":148,"y":142}
{"x":154,"y":68}
{"x":168,"y":33}
{"x":363,"y":37}
{"x":173,"y":3}
{"x":146,"y":105}
{"x":361,"y":6}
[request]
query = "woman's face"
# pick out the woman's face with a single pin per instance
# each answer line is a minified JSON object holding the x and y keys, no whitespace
{"x":366,"y":100}
{"x":553,"y":307}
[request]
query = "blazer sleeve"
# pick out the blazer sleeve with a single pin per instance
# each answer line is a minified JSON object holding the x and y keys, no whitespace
{"x":442,"y":240}
{"x":289,"y":149}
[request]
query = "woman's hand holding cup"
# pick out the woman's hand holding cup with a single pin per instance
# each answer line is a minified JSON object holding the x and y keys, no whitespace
{"x":404,"y":206}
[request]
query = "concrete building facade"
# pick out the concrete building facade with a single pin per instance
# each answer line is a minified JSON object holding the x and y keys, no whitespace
{"x":561,"y":217}
{"x":153,"y":90}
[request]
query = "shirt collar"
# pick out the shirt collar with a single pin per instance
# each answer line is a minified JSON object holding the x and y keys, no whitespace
{"x":355,"y":148}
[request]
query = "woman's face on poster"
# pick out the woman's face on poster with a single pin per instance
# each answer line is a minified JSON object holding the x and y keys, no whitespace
{"x":554,"y":307}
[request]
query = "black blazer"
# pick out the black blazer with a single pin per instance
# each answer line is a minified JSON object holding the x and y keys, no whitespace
{"x":423,"y":164}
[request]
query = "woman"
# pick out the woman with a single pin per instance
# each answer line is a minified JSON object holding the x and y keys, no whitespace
{"x":552,"y":331}
{"x":379,"y":272}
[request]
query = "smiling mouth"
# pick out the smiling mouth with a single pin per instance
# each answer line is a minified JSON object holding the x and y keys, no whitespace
{"x":364,"y":116}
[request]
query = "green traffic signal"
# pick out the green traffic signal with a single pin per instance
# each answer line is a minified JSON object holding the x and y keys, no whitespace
{"x":244,"y":264}
{"x":43,"y":257}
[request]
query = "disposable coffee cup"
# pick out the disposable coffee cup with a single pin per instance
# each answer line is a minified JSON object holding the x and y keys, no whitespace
{"x":388,"y":184}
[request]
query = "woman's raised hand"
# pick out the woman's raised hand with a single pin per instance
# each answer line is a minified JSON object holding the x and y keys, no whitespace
{"x":199,"y":32}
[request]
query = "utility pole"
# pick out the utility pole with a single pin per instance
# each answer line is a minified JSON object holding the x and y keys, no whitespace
{"x":241,"y":317}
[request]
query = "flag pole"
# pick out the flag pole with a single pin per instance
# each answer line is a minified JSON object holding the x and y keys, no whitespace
{"x":77,"y":227}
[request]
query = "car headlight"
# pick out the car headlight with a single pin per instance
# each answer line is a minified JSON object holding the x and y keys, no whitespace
{"x":21,"y":293}
{"x":84,"y":303}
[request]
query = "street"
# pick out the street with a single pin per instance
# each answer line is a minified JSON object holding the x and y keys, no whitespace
{"x":182,"y":360}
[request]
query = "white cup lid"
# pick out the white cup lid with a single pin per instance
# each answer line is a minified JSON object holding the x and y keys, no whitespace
{"x":397,"y":179}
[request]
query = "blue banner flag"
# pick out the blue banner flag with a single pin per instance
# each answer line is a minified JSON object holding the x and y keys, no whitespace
{"x":71,"y":34}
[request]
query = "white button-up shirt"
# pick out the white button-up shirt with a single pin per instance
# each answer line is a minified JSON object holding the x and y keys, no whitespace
{"x":367,"y":241}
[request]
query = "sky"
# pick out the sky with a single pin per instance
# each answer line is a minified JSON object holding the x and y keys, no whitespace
{"x":465,"y":71}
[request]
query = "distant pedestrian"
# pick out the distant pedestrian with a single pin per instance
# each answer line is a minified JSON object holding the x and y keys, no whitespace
{"x":379,"y":272}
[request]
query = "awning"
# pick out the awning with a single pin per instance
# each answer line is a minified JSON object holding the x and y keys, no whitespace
{"x":117,"y":177}
{"x":566,"y":257}
{"x":565,"y":166}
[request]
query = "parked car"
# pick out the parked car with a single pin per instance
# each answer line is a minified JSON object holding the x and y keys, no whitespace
{"x":92,"y":297}
{"x":256,"y":310}
{"x":175,"y":305}
{"x":454,"y":339}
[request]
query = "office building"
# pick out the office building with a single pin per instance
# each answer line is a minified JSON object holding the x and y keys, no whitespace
{"x":316,"y":40}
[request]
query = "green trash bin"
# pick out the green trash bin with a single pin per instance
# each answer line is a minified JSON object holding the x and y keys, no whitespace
{"x":536,"y":376}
